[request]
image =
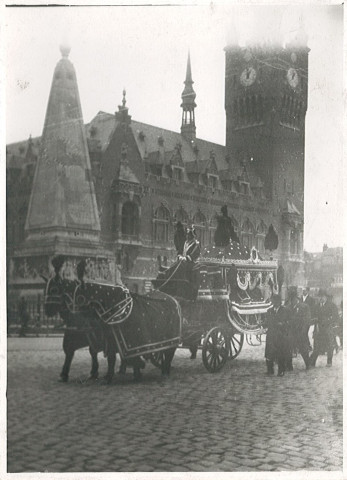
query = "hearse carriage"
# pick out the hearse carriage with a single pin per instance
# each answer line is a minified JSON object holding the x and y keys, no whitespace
{"x":224,"y":303}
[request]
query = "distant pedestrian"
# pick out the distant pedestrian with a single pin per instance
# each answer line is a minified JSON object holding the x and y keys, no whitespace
{"x":323,"y":335}
{"x":310,"y":301}
{"x":339,"y":328}
{"x":300,"y":318}
{"x":277,"y":347}
{"x":23,"y":316}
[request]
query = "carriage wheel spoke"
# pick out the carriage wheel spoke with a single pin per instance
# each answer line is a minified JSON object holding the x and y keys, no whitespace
{"x":215,"y":349}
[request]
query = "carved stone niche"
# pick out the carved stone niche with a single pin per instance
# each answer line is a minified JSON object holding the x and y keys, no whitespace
{"x":98,"y":269}
{"x":27,"y":269}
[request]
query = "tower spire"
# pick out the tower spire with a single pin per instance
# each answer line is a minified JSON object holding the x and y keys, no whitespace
{"x":188,"y":129}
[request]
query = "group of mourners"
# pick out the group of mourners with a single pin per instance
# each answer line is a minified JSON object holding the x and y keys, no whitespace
{"x":288,"y":330}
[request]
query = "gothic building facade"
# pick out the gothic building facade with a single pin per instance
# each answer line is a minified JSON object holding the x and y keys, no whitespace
{"x":112,"y":190}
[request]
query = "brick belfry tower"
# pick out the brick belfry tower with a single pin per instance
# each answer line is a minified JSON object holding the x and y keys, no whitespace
{"x":265,"y":104}
{"x":63,"y":215}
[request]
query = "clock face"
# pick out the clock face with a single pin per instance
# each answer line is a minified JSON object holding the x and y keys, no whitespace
{"x":293,"y":77}
{"x":248,"y":76}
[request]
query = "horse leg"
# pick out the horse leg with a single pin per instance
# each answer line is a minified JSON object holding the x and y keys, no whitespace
{"x":69,"y":350}
{"x":166,"y":365}
{"x":111,"y":362}
{"x":137,"y":364}
{"x":64,"y":376}
{"x":94,"y":373}
{"x":123,"y":367}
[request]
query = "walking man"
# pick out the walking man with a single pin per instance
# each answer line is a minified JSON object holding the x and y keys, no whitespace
{"x":299,"y":326}
{"x":323,"y":334}
{"x":277,"y":346}
{"x":310,"y":301}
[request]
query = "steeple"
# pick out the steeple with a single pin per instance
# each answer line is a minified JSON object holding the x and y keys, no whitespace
{"x":188,"y":129}
{"x":122,"y":115}
{"x":63,"y":202}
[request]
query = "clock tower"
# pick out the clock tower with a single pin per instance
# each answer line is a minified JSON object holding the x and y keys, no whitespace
{"x":265,"y":104}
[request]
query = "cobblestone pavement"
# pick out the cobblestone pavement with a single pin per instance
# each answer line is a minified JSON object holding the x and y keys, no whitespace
{"x":235,"y":420}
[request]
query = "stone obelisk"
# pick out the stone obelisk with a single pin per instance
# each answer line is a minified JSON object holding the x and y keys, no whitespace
{"x":63,"y":214}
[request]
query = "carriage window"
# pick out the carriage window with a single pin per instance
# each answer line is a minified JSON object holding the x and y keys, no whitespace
{"x":130,"y":218}
{"x":161,"y":224}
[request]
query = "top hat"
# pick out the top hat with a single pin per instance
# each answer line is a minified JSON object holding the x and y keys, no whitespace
{"x":191,"y":229}
{"x":292,"y":292}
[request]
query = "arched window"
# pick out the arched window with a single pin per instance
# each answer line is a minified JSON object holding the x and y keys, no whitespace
{"x":294,"y":241}
{"x":247,"y":233}
{"x":200,"y":223}
{"x":212,"y":229}
{"x":260,"y":238}
{"x":130,"y":219}
{"x":161,"y":224}
{"x":182,"y":216}
{"x":234,"y":222}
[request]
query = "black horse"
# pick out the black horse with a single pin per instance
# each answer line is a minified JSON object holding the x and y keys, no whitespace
{"x":85,"y":308}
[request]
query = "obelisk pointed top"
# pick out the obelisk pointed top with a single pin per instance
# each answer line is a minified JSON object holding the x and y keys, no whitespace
{"x":65,"y":50}
{"x":63,"y":201}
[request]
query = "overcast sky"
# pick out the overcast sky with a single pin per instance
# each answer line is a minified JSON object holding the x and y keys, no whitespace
{"x":144,"y":49}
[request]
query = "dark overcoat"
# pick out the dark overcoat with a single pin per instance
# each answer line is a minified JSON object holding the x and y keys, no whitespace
{"x":300,"y":320}
{"x":323,"y":334}
{"x":277,"y":337}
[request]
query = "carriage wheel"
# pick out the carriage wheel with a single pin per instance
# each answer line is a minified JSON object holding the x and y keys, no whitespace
{"x":215,"y":349}
{"x":236,"y":343}
{"x":157,"y":359}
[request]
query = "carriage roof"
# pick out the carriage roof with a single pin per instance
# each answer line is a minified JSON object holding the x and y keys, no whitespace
{"x":235,"y":254}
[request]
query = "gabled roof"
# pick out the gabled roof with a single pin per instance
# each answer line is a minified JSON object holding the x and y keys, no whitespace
{"x":156,"y":145}
{"x":16,"y":153}
{"x":103,"y":124}
{"x":201,"y":166}
{"x":152,"y":135}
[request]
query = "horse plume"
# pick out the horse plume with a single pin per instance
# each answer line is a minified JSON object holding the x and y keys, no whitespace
{"x":58,"y":262}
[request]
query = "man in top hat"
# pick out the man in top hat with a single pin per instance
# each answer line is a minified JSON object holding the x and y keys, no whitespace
{"x":277,"y":348}
{"x":191,"y":247}
{"x":300,"y":320}
{"x":323,"y":334}
{"x":178,"y":279}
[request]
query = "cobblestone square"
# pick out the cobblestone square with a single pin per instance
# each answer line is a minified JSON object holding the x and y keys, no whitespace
{"x":235,"y":420}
